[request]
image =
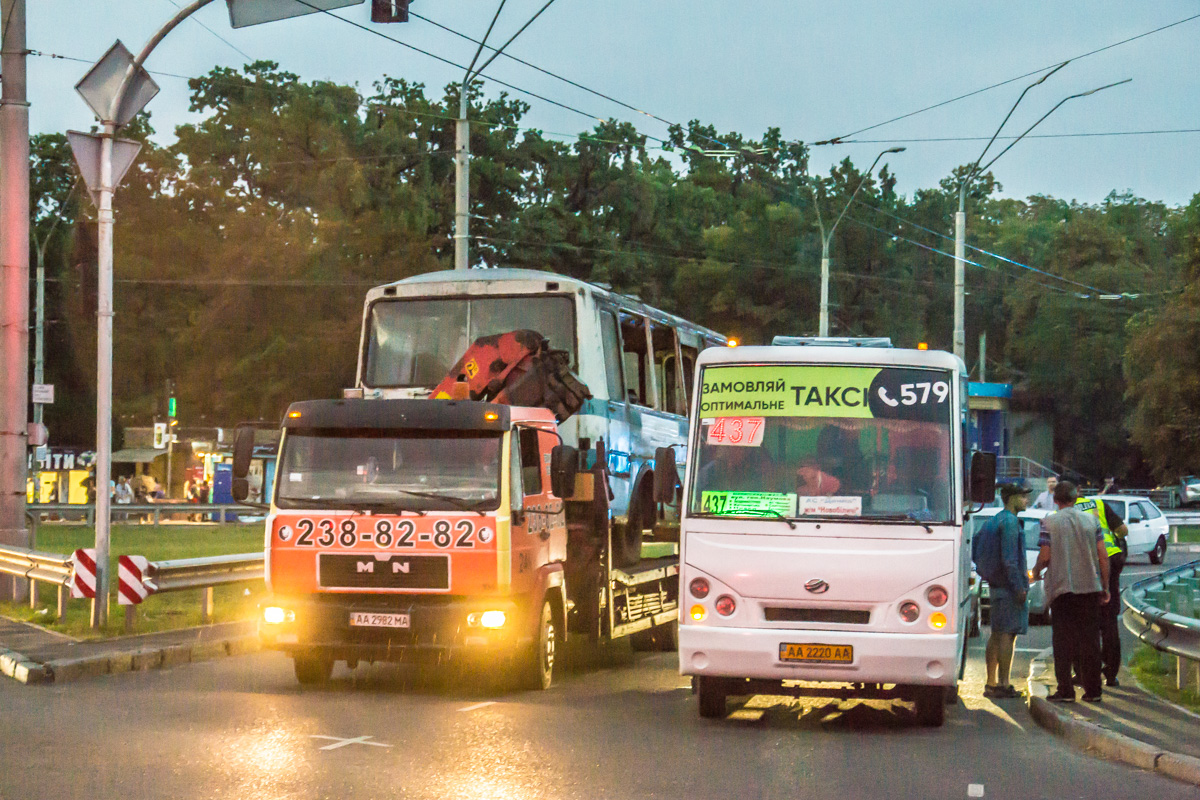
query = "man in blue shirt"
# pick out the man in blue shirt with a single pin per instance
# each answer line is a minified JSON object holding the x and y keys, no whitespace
{"x":1008,"y":587}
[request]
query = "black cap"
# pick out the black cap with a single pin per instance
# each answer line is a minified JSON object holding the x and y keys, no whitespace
{"x":1007,"y":490}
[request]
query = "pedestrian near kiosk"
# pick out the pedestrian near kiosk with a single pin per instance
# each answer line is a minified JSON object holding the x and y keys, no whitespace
{"x":1075,"y":560}
{"x":999,"y":551}
{"x":1045,"y":500}
{"x":1114,"y":531}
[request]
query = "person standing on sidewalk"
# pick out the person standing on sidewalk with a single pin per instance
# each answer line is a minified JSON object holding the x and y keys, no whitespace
{"x":1115,"y":531}
{"x":1075,"y":560}
{"x":1000,"y":550}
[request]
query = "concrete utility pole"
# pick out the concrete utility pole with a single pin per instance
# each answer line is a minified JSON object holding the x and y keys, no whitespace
{"x":14,"y":284}
{"x":462,"y":142}
{"x":827,"y":236}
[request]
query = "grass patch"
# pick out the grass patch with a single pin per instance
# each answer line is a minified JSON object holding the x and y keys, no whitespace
{"x":1156,"y":672}
{"x":158,"y":612}
{"x":1189,"y":533}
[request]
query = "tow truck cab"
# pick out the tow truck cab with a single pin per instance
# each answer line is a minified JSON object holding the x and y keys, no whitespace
{"x":408,"y":528}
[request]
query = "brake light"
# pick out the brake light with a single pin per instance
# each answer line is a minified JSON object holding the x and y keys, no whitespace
{"x":910,"y":611}
{"x":698,"y":587}
{"x":937,"y":596}
{"x":725,"y":605}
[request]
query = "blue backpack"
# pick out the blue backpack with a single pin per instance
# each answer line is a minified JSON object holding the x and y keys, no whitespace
{"x":985,"y":551}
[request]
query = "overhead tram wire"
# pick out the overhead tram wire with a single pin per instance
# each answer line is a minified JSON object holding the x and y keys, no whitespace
{"x":562,"y":78}
{"x":926,"y":139}
{"x":231,"y":45}
{"x":839,"y":139}
{"x":985,"y":252}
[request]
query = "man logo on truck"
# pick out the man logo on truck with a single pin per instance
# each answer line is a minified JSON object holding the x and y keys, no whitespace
{"x":366,"y":566}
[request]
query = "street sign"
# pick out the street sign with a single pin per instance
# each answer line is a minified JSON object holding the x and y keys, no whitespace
{"x":100,"y":85}
{"x":389,"y":10}
{"x":256,"y":12}
{"x":86,"y":149}
{"x":43,"y":393}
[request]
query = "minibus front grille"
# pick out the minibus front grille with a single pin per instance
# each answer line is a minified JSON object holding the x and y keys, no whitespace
{"x":845,"y":616}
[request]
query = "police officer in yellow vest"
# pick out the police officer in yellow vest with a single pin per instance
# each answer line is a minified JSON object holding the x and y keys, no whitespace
{"x":1114,"y":530}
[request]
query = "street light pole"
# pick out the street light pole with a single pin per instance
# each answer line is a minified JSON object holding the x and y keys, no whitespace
{"x":826,"y":237}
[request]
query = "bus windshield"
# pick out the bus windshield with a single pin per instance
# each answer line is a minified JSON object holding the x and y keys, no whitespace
{"x":824,"y":441}
{"x":409,"y":469}
{"x":416,"y":342}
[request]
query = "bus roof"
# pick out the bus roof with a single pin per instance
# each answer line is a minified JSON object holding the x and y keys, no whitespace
{"x":503,"y":281}
{"x":815,"y":354}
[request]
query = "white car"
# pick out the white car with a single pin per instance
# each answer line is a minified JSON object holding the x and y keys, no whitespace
{"x":1148,"y":528}
{"x":1031,"y":522}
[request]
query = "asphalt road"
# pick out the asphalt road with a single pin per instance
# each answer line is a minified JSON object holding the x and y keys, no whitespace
{"x":615,"y":725}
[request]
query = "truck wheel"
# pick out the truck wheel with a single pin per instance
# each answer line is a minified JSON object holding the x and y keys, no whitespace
{"x":711,"y":692}
{"x":537,"y":665}
{"x":627,"y":546}
{"x":931,"y":705}
{"x":1160,"y":551}
{"x":312,"y":669}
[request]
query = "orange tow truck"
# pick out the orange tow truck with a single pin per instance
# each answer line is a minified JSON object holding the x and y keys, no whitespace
{"x":445,"y":530}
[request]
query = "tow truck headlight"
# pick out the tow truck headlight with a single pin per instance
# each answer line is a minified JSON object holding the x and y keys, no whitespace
{"x":492,"y":619}
{"x":937,"y":620}
{"x":910,"y":611}
{"x":274,"y":615}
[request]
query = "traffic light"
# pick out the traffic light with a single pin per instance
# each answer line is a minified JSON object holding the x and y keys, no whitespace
{"x":171,"y":407}
{"x":389,"y":10}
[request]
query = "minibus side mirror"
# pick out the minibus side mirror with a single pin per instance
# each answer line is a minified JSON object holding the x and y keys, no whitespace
{"x":983,"y":477}
{"x":564,"y":462}
{"x":243,"y":450}
{"x":666,"y":476}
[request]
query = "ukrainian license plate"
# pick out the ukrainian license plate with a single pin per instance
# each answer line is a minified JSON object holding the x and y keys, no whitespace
{"x":366,"y":619}
{"x":817,"y":653}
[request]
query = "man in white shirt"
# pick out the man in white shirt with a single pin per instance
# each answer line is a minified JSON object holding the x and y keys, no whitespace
{"x":1045,"y":500}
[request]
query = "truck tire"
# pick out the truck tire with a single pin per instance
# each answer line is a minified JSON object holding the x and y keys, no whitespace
{"x":931,"y":705}
{"x":312,"y":669}
{"x":536,"y":666}
{"x":1159,"y":552}
{"x":711,"y":693}
{"x":627,"y":542}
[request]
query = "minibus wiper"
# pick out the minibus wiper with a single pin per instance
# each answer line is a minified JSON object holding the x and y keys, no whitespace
{"x":762,"y":511}
{"x":909,"y":517}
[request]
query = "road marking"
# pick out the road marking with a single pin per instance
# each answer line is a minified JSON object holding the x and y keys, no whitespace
{"x":340,"y":742}
{"x":974,"y":790}
{"x":478,"y":706}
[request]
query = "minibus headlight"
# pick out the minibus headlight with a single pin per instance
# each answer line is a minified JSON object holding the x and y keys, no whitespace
{"x":937,"y":596}
{"x":910,"y":611}
{"x":725,"y":605}
{"x":699,"y":588}
{"x":937,"y":620}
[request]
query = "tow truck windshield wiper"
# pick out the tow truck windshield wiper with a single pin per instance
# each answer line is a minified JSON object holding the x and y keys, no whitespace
{"x":465,"y":505}
{"x":381,"y":505}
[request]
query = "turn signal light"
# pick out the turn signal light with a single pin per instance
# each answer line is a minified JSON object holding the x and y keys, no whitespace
{"x":910,"y":611}
{"x":698,"y":613}
{"x":937,"y":620}
{"x":699,"y":588}
{"x":725,"y":605}
{"x":937,"y":596}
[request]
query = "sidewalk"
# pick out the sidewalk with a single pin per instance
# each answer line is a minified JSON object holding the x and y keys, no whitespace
{"x":1129,"y":725}
{"x":32,"y":654}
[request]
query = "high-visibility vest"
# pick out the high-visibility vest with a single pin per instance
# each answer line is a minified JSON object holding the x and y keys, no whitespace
{"x":1096,"y":507}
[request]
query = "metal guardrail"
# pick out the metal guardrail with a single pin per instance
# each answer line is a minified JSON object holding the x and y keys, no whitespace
{"x":209,"y":512}
{"x":52,"y":568}
{"x":1161,"y":611}
{"x":1182,"y":517}
{"x":204,"y":573}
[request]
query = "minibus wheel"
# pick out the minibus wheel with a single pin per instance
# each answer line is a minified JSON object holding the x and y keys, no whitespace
{"x":931,"y":705}
{"x":711,"y":692}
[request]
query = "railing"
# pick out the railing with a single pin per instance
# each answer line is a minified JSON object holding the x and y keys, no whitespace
{"x":1161,"y":611}
{"x":207,"y":512}
{"x":52,"y":568}
{"x":204,"y":573}
{"x":1021,"y":467}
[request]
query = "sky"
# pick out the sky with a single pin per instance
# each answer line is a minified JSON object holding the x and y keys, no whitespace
{"x":814,"y":70}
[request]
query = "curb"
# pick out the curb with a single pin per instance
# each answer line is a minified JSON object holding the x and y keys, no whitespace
{"x":1102,"y":741}
{"x":64,"y":670}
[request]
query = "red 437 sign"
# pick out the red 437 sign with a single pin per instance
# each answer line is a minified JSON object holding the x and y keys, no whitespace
{"x":737,"y":431}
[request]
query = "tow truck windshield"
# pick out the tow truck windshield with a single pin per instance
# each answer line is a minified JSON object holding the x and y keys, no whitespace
{"x":863,"y":443}
{"x":405,"y":469}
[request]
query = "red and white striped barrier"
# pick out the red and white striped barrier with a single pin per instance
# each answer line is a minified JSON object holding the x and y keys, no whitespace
{"x":130,"y":588}
{"x":83,"y":584}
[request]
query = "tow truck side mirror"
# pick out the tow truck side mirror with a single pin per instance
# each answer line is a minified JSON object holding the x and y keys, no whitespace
{"x":666,"y":476}
{"x":983,"y":477}
{"x":564,"y":461}
{"x":243,"y":450}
